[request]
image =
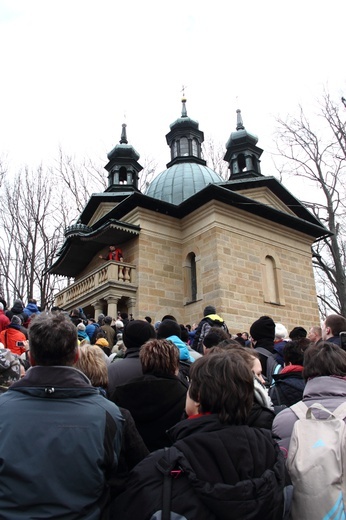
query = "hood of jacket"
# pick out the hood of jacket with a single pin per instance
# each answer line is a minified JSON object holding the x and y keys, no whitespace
{"x":54,"y":382}
{"x":231,"y":468}
{"x":30,"y":309}
{"x":213,"y":319}
{"x":184,"y":353}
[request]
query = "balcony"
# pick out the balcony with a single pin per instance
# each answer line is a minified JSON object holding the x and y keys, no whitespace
{"x":112,"y":277}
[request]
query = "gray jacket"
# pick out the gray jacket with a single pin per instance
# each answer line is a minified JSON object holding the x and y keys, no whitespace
{"x":330,"y":391}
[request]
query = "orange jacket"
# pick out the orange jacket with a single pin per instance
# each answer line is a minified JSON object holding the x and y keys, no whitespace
{"x":9,"y":337}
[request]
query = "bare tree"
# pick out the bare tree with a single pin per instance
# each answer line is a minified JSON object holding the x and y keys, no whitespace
{"x":31,"y":234}
{"x":319,"y":157}
{"x":214,"y":153}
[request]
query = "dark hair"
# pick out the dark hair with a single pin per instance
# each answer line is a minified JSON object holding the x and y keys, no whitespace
{"x":223,"y":384}
{"x":160,"y":356}
{"x":228,"y":344}
{"x":297,"y":333}
{"x":184,"y":334}
{"x":52,"y":339}
{"x":324,"y":359}
{"x":215,"y":336}
{"x":336,"y":323}
{"x":169,"y":317}
{"x":168,"y":328}
{"x":293,"y":352}
{"x":148,"y":319}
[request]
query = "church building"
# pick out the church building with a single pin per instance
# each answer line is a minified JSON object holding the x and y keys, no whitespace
{"x":193,"y":239}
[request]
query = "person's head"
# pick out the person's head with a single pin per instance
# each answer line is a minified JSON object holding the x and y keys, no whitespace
{"x":148,"y":319}
{"x":168,"y":328}
{"x":15,"y":320}
{"x":81,"y":327}
{"x":136,"y":333}
{"x":263,"y":328}
{"x":108,"y":320}
{"x":93,"y":364}
{"x":184,"y":333}
{"x":214,"y":337}
{"x":333,"y":325}
{"x":159,"y":356}
{"x":101,"y":319}
{"x":52,"y":340}
{"x":315,"y":333}
{"x":324,"y":359}
{"x":209,"y":309}
{"x":168,"y":317}
{"x":245,"y":336}
{"x":293,"y":353}
{"x":221,"y":384}
{"x":297,"y":333}
{"x":280,"y":332}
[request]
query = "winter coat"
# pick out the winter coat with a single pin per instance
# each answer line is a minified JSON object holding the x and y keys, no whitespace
{"x":4,"y":320}
{"x":17,"y":310}
{"x":288,"y":386}
{"x":336,"y":340}
{"x":156,"y":403}
{"x":9,"y":338}
{"x":330,"y":391}
{"x":59,"y":446}
{"x":212,"y":320}
{"x":221,"y":472}
{"x":30,"y":309}
{"x":124,"y":370}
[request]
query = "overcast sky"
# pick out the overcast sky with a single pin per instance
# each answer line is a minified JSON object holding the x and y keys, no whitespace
{"x":72,"y":69}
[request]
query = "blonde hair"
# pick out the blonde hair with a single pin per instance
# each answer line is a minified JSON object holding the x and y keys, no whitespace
{"x":92,"y":363}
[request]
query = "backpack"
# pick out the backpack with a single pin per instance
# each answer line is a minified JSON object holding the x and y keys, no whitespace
{"x":273,"y":367}
{"x":316,"y":463}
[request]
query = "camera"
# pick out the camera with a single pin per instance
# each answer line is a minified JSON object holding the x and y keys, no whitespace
{"x":21,"y":343}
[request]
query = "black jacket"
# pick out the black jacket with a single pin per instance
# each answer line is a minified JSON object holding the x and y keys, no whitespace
{"x":156,"y":403}
{"x":288,"y":388}
{"x":221,"y":472}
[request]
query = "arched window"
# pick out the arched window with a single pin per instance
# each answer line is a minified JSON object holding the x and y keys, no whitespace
{"x":272,"y":288}
{"x":195,"y":147}
{"x":190,"y":278}
{"x":184,"y":146}
{"x":123,"y":175}
{"x":174,"y":149}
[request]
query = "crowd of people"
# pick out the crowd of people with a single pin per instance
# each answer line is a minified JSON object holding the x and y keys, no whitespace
{"x":120,"y":418}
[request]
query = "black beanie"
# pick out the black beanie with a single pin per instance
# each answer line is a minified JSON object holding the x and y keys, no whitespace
{"x":298,"y":333}
{"x":168,"y":328}
{"x":263,"y":328}
{"x":136,"y":333}
{"x":209,"y":309}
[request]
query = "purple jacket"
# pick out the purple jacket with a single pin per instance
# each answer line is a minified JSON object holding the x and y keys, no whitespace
{"x":330,"y":391}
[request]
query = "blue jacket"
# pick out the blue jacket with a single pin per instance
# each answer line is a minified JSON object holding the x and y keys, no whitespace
{"x":184,"y":354}
{"x":59,"y":446}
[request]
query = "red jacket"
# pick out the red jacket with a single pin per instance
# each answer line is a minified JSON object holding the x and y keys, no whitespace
{"x":10,"y":336}
{"x":4,"y":320}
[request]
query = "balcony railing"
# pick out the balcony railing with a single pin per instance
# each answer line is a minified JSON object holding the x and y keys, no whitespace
{"x":115,"y":272}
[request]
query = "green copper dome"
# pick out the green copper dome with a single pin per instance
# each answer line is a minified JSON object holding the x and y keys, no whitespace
{"x":181,"y":181}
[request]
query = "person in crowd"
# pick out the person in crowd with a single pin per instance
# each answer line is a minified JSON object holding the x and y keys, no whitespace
{"x":289,"y":384}
{"x":170,"y":330}
{"x":325,"y":375}
{"x":185,"y":339}
{"x":102,"y":343}
{"x":148,"y":319}
{"x":114,"y":253}
{"x":222,"y":468}
{"x":81,"y":333}
{"x":91,"y":328}
{"x":214,"y":337}
{"x":210,"y":319}
{"x":136,"y":333}
{"x":18,"y":310}
{"x":4,"y":320}
{"x":31,"y":307}
{"x":297,"y":333}
{"x":72,"y":435}
{"x":262,"y":332}
{"x":10,"y":369}
{"x":156,"y":399}
{"x":110,"y":332}
{"x":246,"y":338}
{"x":92,"y":363}
{"x":315,"y":334}
{"x":13,"y":338}
{"x":280,"y":340}
{"x":331,"y":328}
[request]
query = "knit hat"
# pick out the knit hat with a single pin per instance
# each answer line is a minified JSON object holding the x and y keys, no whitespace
{"x":16,"y":320}
{"x":136,"y":333}
{"x":81,"y":326}
{"x":168,"y":328}
{"x":119,"y":324}
{"x":263,"y":328}
{"x":156,"y":325}
{"x":209,"y":309}
{"x":9,"y":368}
{"x":211,"y":340}
{"x":102,"y":342}
{"x":298,"y":333}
